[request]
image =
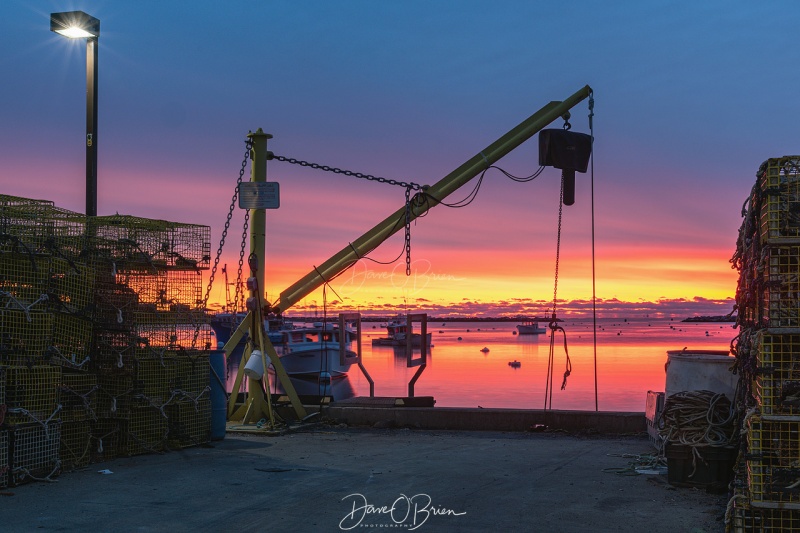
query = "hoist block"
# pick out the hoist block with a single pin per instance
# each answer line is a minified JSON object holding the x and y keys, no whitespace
{"x":568,"y":151}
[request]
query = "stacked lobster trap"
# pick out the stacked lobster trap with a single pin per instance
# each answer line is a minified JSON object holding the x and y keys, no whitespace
{"x":767,"y":351}
{"x":104,"y":341}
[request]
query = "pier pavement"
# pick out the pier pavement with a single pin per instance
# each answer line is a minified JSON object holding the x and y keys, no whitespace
{"x":331,"y":477}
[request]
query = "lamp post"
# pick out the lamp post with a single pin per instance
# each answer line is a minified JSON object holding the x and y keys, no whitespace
{"x":79,"y":25}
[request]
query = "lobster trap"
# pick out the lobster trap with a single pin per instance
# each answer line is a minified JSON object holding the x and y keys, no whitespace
{"x":780,"y":291}
{"x":36,"y":227}
{"x":24,"y":336}
{"x":31,"y":393}
{"x":114,"y":352}
{"x":23,"y":280}
{"x":114,"y":395}
{"x":34,"y":452}
{"x":75,"y":445}
{"x":145,"y":430}
{"x":773,"y":461}
{"x":78,"y":395}
{"x":106,"y":439}
{"x":71,"y":341}
{"x":114,"y":306}
{"x":192,"y":373}
{"x":70,"y":286}
{"x":189,"y":422}
{"x":165,"y":290}
{"x":145,"y":244}
{"x":153,"y":375}
{"x":748,"y":519}
{"x":779,"y":186}
{"x":777,"y":381}
{"x":173,"y":330}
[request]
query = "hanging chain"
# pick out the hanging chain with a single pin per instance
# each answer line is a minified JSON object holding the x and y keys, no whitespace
{"x":248,"y":145}
{"x":409,"y":186}
{"x":326,"y":168}
{"x":558,"y":252}
{"x":408,"y":231}
{"x":238,"y":296}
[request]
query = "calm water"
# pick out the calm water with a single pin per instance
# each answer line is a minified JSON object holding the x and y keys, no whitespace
{"x":630,"y":361}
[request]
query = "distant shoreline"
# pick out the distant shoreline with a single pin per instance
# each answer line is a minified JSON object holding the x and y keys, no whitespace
{"x":714,"y":318}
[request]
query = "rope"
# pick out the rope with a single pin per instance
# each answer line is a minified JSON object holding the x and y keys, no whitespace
{"x":44,"y":424}
{"x":698,"y":419}
{"x":25,"y":308}
{"x":84,"y":398}
{"x":554,"y":327}
{"x":594,"y":277}
{"x":639,"y":462}
{"x":27,"y":473}
{"x":71,"y":362}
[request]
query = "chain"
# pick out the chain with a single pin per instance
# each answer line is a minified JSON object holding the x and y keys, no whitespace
{"x":326,"y":168}
{"x":248,"y":145}
{"x":239,"y":292}
{"x":558,"y":251}
{"x":408,"y":231}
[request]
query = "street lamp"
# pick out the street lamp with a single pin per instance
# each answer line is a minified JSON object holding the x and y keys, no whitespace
{"x":79,"y":25}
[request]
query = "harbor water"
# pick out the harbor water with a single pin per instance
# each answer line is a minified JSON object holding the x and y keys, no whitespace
{"x":631,"y":357}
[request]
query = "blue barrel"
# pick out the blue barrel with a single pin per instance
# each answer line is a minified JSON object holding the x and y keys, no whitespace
{"x":219,"y":398}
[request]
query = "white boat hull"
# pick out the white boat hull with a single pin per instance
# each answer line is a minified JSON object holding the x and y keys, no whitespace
{"x":316,"y":360}
{"x":525,"y":329}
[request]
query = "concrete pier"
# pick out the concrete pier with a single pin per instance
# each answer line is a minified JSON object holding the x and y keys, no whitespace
{"x":324,"y":477}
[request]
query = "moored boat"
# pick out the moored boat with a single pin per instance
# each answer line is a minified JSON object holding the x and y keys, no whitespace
{"x":316,"y":350}
{"x":530,"y":327}
{"x":397,"y":329}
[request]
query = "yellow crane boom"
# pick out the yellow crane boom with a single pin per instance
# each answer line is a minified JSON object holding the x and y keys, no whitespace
{"x":433,"y":195}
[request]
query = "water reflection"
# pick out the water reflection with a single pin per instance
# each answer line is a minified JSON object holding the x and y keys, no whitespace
{"x":630,"y":361}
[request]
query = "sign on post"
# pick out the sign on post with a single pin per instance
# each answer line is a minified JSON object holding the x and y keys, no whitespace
{"x":259,"y":195}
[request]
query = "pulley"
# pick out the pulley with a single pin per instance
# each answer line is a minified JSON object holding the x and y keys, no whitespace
{"x":568,"y":151}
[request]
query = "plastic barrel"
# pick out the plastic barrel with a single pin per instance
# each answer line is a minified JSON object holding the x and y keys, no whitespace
{"x":693,"y":370}
{"x":219,"y":398}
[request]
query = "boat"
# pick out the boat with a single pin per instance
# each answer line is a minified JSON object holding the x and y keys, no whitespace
{"x":305,"y":351}
{"x":225,"y":323}
{"x":530,"y":327}
{"x":397,"y":330}
{"x":315,"y":350}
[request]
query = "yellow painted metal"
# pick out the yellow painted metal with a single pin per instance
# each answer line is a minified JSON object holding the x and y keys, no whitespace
{"x":257,"y":404}
{"x":429,"y":197}
{"x":258,"y":217}
{"x":229,"y":346}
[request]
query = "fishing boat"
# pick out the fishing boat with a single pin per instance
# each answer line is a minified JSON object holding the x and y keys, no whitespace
{"x":315,"y":350}
{"x":304,"y":351}
{"x":397,"y":330}
{"x":530,"y":327}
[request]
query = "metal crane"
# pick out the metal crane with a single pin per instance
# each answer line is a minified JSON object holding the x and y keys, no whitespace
{"x":424,"y":200}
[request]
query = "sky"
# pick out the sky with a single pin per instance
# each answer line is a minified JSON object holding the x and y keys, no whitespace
{"x":689,"y":99}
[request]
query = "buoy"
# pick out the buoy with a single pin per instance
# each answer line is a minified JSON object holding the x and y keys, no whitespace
{"x":459,"y":338}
